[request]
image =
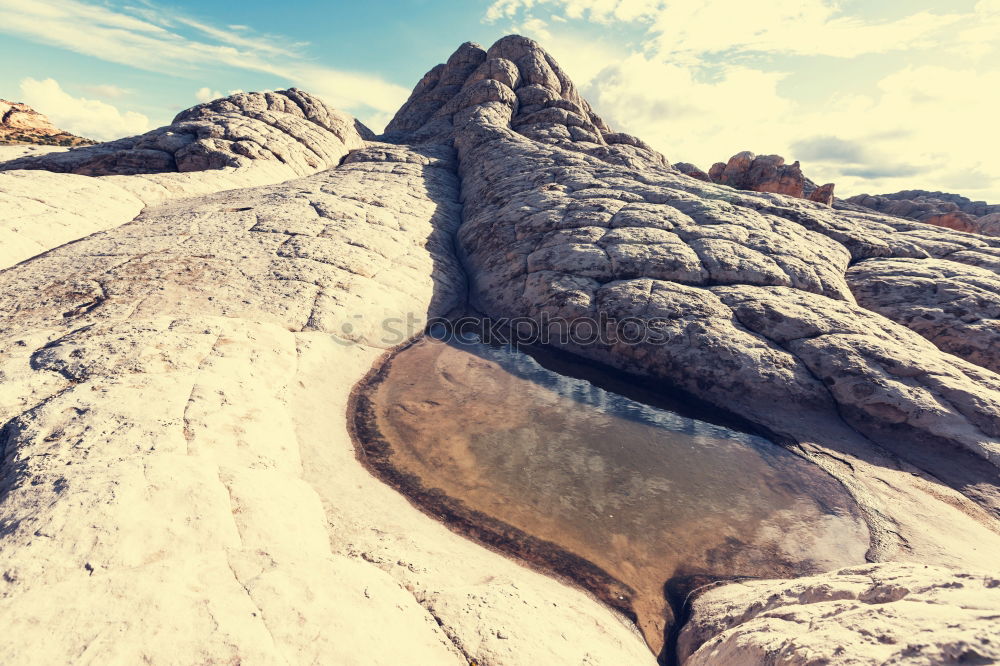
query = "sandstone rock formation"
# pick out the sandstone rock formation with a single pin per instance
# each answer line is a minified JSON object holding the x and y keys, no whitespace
{"x":750,"y":291}
{"x":869,"y":610}
{"x":303,"y":135}
{"x":287,"y":126}
{"x":20,"y":124}
{"x":177,"y":481}
{"x":762,"y":173}
{"x":691,"y":170}
{"x":942,"y":209}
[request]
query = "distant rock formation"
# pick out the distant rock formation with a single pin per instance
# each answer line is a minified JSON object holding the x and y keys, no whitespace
{"x":762,"y":173}
{"x":942,"y":209}
{"x":20,"y":124}
{"x":693,"y":171}
{"x":288,"y":126}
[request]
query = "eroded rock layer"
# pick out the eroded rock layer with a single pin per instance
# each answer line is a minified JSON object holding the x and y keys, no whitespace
{"x":240,"y":141}
{"x":881,"y":614}
{"x":749,"y":291}
{"x":762,"y":173}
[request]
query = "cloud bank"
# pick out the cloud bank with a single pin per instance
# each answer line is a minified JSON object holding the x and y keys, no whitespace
{"x":90,"y":118}
{"x":704,"y":79}
{"x":154,"y":39}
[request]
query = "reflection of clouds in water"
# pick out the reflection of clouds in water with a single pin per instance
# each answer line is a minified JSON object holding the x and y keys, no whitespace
{"x":524,"y":366}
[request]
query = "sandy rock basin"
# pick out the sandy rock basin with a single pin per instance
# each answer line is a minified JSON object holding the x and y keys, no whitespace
{"x":617,"y":495}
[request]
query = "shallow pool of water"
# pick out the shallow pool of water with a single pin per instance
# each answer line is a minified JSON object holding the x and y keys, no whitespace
{"x":617,"y":494}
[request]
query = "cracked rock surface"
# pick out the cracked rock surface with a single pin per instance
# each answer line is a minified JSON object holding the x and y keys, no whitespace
{"x":939,"y":208}
{"x":177,"y":482}
{"x":887,"y":614}
{"x":288,"y":126}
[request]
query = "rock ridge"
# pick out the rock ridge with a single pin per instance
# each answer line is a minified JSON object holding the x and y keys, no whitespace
{"x":943,"y":209}
{"x":288,"y":126}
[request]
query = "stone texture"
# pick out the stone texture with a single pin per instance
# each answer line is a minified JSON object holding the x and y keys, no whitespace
{"x":691,"y":170}
{"x":762,"y":173}
{"x":49,"y":202}
{"x":942,"y":209}
{"x":518,"y":74}
{"x":287,"y":126}
{"x":822,"y":194}
{"x":20,"y":124}
{"x":896,"y":613}
{"x":749,"y":290}
{"x":955,"y":306}
{"x":178,"y":483}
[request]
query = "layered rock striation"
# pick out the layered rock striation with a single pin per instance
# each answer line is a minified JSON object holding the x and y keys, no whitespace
{"x":176,"y":467}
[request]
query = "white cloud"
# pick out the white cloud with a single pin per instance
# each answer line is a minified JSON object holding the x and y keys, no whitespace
{"x":206,"y":94}
{"x":149,"y":38}
{"x":89,"y":118}
{"x":935,"y":122}
{"x":684,"y":28}
{"x":688,"y":119}
{"x":802,"y":27}
{"x":106,"y":91}
{"x":689,"y":85}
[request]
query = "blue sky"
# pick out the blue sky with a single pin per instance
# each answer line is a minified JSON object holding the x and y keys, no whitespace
{"x":875,"y":95}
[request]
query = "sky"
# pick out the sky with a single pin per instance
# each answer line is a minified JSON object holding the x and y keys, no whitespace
{"x":874,"y":95}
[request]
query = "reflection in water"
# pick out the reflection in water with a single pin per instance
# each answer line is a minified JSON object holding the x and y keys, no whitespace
{"x":642,"y":493}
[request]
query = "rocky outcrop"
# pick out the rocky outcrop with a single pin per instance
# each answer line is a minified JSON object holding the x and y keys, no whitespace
{"x":20,"y":124}
{"x":955,"y":306}
{"x":822,"y":194}
{"x":762,"y":173}
{"x":176,"y":468}
{"x":49,"y":202}
{"x":857,"y":615}
{"x":290,"y":127}
{"x":550,"y":109}
{"x":942,"y":209}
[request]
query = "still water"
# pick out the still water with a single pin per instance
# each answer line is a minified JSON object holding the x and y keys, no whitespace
{"x":543,"y":465}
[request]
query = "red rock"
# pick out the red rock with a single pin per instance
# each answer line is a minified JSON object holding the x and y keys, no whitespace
{"x":19,"y":123}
